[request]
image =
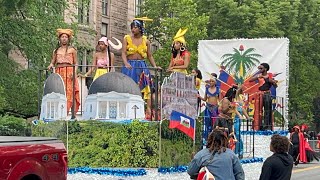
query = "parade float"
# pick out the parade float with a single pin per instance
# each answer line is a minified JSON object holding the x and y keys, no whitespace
{"x":110,"y":138}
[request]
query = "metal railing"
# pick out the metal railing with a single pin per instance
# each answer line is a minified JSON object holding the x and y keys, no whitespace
{"x":85,"y":82}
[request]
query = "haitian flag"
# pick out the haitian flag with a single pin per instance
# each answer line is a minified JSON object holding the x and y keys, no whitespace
{"x":182,"y":122}
{"x":225,"y":81}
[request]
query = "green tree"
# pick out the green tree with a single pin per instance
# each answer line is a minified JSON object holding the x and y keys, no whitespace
{"x":28,"y":27}
{"x":168,"y":16}
{"x":2,"y":99}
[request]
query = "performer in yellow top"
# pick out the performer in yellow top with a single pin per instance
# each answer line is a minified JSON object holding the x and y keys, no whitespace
{"x":136,"y":48}
{"x":180,"y":58}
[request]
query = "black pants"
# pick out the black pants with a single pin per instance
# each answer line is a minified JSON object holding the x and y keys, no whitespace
{"x":267,"y":112}
{"x":295,"y":153}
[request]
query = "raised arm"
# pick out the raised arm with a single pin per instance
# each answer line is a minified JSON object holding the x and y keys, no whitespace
{"x":255,"y":78}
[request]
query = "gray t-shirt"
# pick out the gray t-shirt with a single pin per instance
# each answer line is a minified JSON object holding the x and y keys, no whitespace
{"x":225,"y":165}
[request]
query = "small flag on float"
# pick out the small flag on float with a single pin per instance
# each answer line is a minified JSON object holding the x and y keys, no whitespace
{"x":182,"y":122}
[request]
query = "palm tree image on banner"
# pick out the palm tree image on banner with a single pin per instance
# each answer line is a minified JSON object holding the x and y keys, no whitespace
{"x":240,"y":62}
{"x":235,"y":61}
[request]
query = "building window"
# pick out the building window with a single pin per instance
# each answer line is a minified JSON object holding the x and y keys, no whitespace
{"x":102,"y":110}
{"x":83,"y":11}
{"x":104,"y":7}
{"x":138,"y":7}
{"x":113,"y":110}
{"x":52,"y":110}
{"x":104,"y":29}
{"x":122,"y":109}
{"x":84,"y":59}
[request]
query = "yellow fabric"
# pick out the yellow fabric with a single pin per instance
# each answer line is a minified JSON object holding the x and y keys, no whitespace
{"x":100,"y":72}
{"x":179,"y":37}
{"x":184,"y":71}
{"x":146,"y":92}
{"x":141,"y":49}
{"x":143,"y":19}
{"x":198,"y":83}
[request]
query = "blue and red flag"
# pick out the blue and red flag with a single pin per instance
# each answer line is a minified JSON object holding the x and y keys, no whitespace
{"x":225,"y":81}
{"x":182,"y":122}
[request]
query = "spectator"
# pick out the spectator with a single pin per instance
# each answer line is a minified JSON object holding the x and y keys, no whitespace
{"x":220,"y":161}
{"x":279,"y":165}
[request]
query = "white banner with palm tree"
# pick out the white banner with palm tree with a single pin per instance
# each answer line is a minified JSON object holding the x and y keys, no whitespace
{"x":241,"y":57}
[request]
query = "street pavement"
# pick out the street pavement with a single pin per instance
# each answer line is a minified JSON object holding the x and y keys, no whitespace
{"x":309,"y":171}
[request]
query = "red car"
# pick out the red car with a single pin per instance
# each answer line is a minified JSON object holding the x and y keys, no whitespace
{"x":32,"y":158}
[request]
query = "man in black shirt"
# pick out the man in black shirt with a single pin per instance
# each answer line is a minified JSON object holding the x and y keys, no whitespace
{"x":279,"y":165}
{"x":266,"y":81}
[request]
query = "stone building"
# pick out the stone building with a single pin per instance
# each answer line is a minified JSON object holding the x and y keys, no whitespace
{"x":96,"y":18}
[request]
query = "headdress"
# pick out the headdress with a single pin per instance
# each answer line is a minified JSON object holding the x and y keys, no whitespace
{"x":139,"y":22}
{"x":68,"y":32}
{"x":179,"y":37}
{"x":106,"y":41}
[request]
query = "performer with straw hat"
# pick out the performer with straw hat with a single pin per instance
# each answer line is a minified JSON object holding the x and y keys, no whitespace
{"x":136,"y":48}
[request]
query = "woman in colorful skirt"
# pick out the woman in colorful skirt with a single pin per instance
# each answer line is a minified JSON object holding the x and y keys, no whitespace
{"x":211,"y":97}
{"x":65,"y":59}
{"x":136,"y":48}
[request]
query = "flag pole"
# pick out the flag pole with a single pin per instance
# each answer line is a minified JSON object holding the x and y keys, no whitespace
{"x":160,"y":142}
{"x":194,"y":134}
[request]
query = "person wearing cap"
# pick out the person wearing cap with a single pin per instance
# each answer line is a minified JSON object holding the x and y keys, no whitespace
{"x":103,"y":59}
{"x":136,"y":48}
{"x":263,"y":100}
{"x":64,"y":58}
{"x":180,"y":58}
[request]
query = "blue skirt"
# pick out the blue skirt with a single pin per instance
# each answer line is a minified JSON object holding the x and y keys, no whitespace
{"x":138,"y":66}
{"x":140,"y":74}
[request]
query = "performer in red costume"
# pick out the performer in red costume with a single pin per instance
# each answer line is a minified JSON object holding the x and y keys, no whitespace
{"x":310,"y":153}
{"x":298,"y":146}
{"x":263,"y":99}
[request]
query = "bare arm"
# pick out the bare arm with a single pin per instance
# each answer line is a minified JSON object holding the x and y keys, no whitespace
{"x":112,"y":62}
{"x":254,"y":78}
{"x":53,"y":60}
{"x":75,"y":58}
{"x":198,"y":81}
{"x":124,"y":54}
{"x":149,"y":54}
{"x":204,"y":98}
{"x":171,"y":64}
{"x":94,"y":64}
